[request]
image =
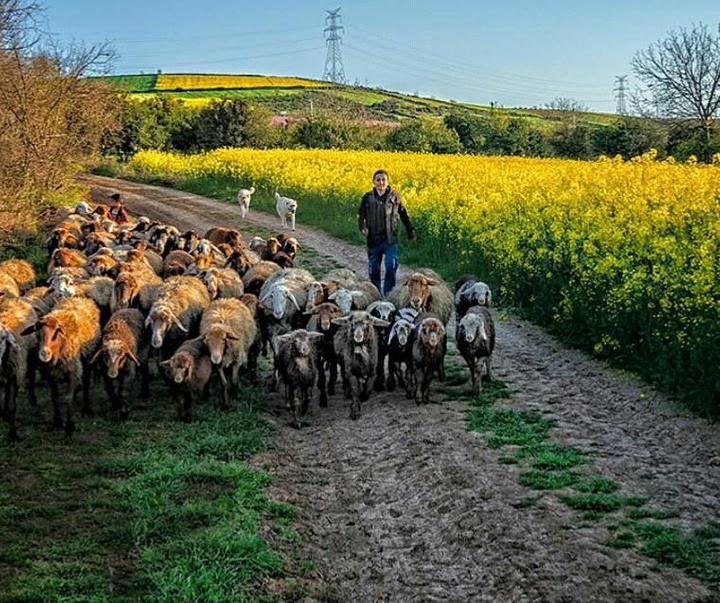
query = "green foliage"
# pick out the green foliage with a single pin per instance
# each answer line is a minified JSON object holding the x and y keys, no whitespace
{"x":424,"y":136}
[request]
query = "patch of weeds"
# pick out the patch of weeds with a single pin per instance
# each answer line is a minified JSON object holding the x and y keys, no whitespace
{"x":624,"y":539}
{"x":598,"y":485}
{"x":651,"y":514}
{"x":696,"y":553}
{"x":510,"y":460}
{"x":541,"y":479}
{"x":522,"y":428}
{"x":557,"y":457}
{"x":605,"y":503}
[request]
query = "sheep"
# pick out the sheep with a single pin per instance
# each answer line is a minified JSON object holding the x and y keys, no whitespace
{"x":218,"y":234}
{"x":222,"y":282}
{"x":254,"y":279}
{"x":66,"y":234}
{"x":281,"y":298}
{"x":176,"y":262}
{"x":268,"y":249}
{"x":286,"y":208}
{"x":399,"y":344}
{"x":469,"y":291}
{"x":321,"y":317}
{"x":475,"y":339}
{"x":8,"y":285}
{"x":289,"y":245}
{"x":102,"y":264}
{"x":243,"y":198}
{"x":124,"y":348}
{"x":65,"y":258}
{"x":297,"y":364}
{"x":98,"y":288}
{"x":177,"y":311}
{"x":22,"y":273}
{"x":69,"y":336}
{"x":356,"y":344}
{"x":190,"y":367}
{"x":424,"y":290}
{"x":428,"y":355}
{"x":17,"y":357}
{"x":383,"y":310}
{"x":132,"y":291}
{"x":359,"y":297}
{"x":241,"y":260}
{"x":229,"y":331}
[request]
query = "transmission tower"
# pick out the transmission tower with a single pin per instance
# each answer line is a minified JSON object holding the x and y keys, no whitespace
{"x":334,"y":71}
{"x":620,"y":96}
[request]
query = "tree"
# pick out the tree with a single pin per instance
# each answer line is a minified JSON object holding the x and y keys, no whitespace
{"x":52,"y":117}
{"x":682,"y":76}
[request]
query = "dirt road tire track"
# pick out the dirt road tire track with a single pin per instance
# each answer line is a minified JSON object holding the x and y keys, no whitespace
{"x":406,"y":505}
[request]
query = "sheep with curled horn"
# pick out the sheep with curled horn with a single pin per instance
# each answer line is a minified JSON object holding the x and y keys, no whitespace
{"x":424,"y":290}
{"x":176,"y":313}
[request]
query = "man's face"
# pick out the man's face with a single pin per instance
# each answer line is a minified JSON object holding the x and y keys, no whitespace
{"x":381,"y":183}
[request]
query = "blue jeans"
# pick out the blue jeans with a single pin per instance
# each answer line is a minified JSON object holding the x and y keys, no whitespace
{"x":378,"y":248}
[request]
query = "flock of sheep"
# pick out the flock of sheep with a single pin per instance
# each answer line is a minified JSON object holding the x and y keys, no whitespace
{"x":120,"y":299}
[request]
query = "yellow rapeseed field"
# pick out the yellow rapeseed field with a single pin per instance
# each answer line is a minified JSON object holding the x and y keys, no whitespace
{"x":209,"y":82}
{"x":620,"y":256}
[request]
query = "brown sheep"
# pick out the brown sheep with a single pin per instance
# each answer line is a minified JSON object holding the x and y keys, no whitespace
{"x":190,"y":369}
{"x":68,"y":336}
{"x":8,"y":285}
{"x":125,"y":347}
{"x":66,"y":234}
{"x":133,"y":290}
{"x":22,"y":273}
{"x":18,"y":357}
{"x":423,"y":290}
{"x":255,"y":277}
{"x":176,"y":262}
{"x":66,"y":258}
{"x":217,"y":235}
{"x":428,"y":355}
{"x":229,"y":331}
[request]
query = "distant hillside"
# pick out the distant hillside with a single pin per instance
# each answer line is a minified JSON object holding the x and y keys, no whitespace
{"x":299,"y":96}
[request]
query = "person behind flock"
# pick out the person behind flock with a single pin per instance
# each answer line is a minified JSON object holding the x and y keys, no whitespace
{"x":118,"y":214}
{"x":380,"y":210}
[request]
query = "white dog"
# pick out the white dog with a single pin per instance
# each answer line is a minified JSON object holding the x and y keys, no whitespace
{"x":286,"y":208}
{"x":243,"y":198}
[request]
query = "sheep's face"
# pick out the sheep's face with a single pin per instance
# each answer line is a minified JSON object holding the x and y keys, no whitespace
{"x":51,"y":339}
{"x":217,"y":339}
{"x":472,"y":327}
{"x":63,"y":286}
{"x":126,"y":289}
{"x":161,"y":320}
{"x":401,"y":330}
{"x":158,"y":239}
{"x":280,"y":301}
{"x":431,"y":331}
{"x":115,"y":354}
{"x":316,"y":295}
{"x":382,"y":309}
{"x":418,"y":291}
{"x":326,"y":315}
{"x":180,"y":367}
{"x":210,"y":278}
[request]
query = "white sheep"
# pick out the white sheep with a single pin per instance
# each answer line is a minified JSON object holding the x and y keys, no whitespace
{"x":475,"y":337}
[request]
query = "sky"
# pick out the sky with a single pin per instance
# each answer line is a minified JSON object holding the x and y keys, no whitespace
{"x":518,"y":53}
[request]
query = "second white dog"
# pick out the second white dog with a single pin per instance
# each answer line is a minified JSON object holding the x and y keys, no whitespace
{"x":243,"y":199}
{"x":286,"y":208}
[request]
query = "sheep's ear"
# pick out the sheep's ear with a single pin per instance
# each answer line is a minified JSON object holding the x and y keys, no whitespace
{"x":148,"y":321}
{"x":431,"y":282}
{"x":10,"y":338}
{"x":357,"y":294}
{"x":178,"y":324}
{"x":132,"y":357}
{"x":333,"y":295}
{"x":341,"y":320}
{"x":165,"y":362}
{"x":31,"y":329}
{"x":284,"y":337}
{"x":372,"y":306}
{"x":294,"y":301}
{"x":96,"y":355}
{"x":377,"y":322}
{"x":264,"y":297}
{"x":312,"y":311}
{"x":315,"y":335}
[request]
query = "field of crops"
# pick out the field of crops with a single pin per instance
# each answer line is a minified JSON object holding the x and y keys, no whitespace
{"x":208,"y":81}
{"x":620,"y":258}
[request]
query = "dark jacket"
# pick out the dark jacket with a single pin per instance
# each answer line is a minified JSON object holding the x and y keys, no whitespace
{"x":379,"y":214}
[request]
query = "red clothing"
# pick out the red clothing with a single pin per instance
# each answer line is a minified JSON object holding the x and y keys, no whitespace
{"x":118,"y":214}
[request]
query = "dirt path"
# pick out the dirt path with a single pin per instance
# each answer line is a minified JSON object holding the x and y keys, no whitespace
{"x":406,"y":505}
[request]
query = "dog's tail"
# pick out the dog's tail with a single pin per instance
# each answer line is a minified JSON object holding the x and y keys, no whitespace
{"x":252,"y":190}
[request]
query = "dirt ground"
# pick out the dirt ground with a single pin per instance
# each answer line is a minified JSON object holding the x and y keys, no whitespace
{"x":405,"y":504}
